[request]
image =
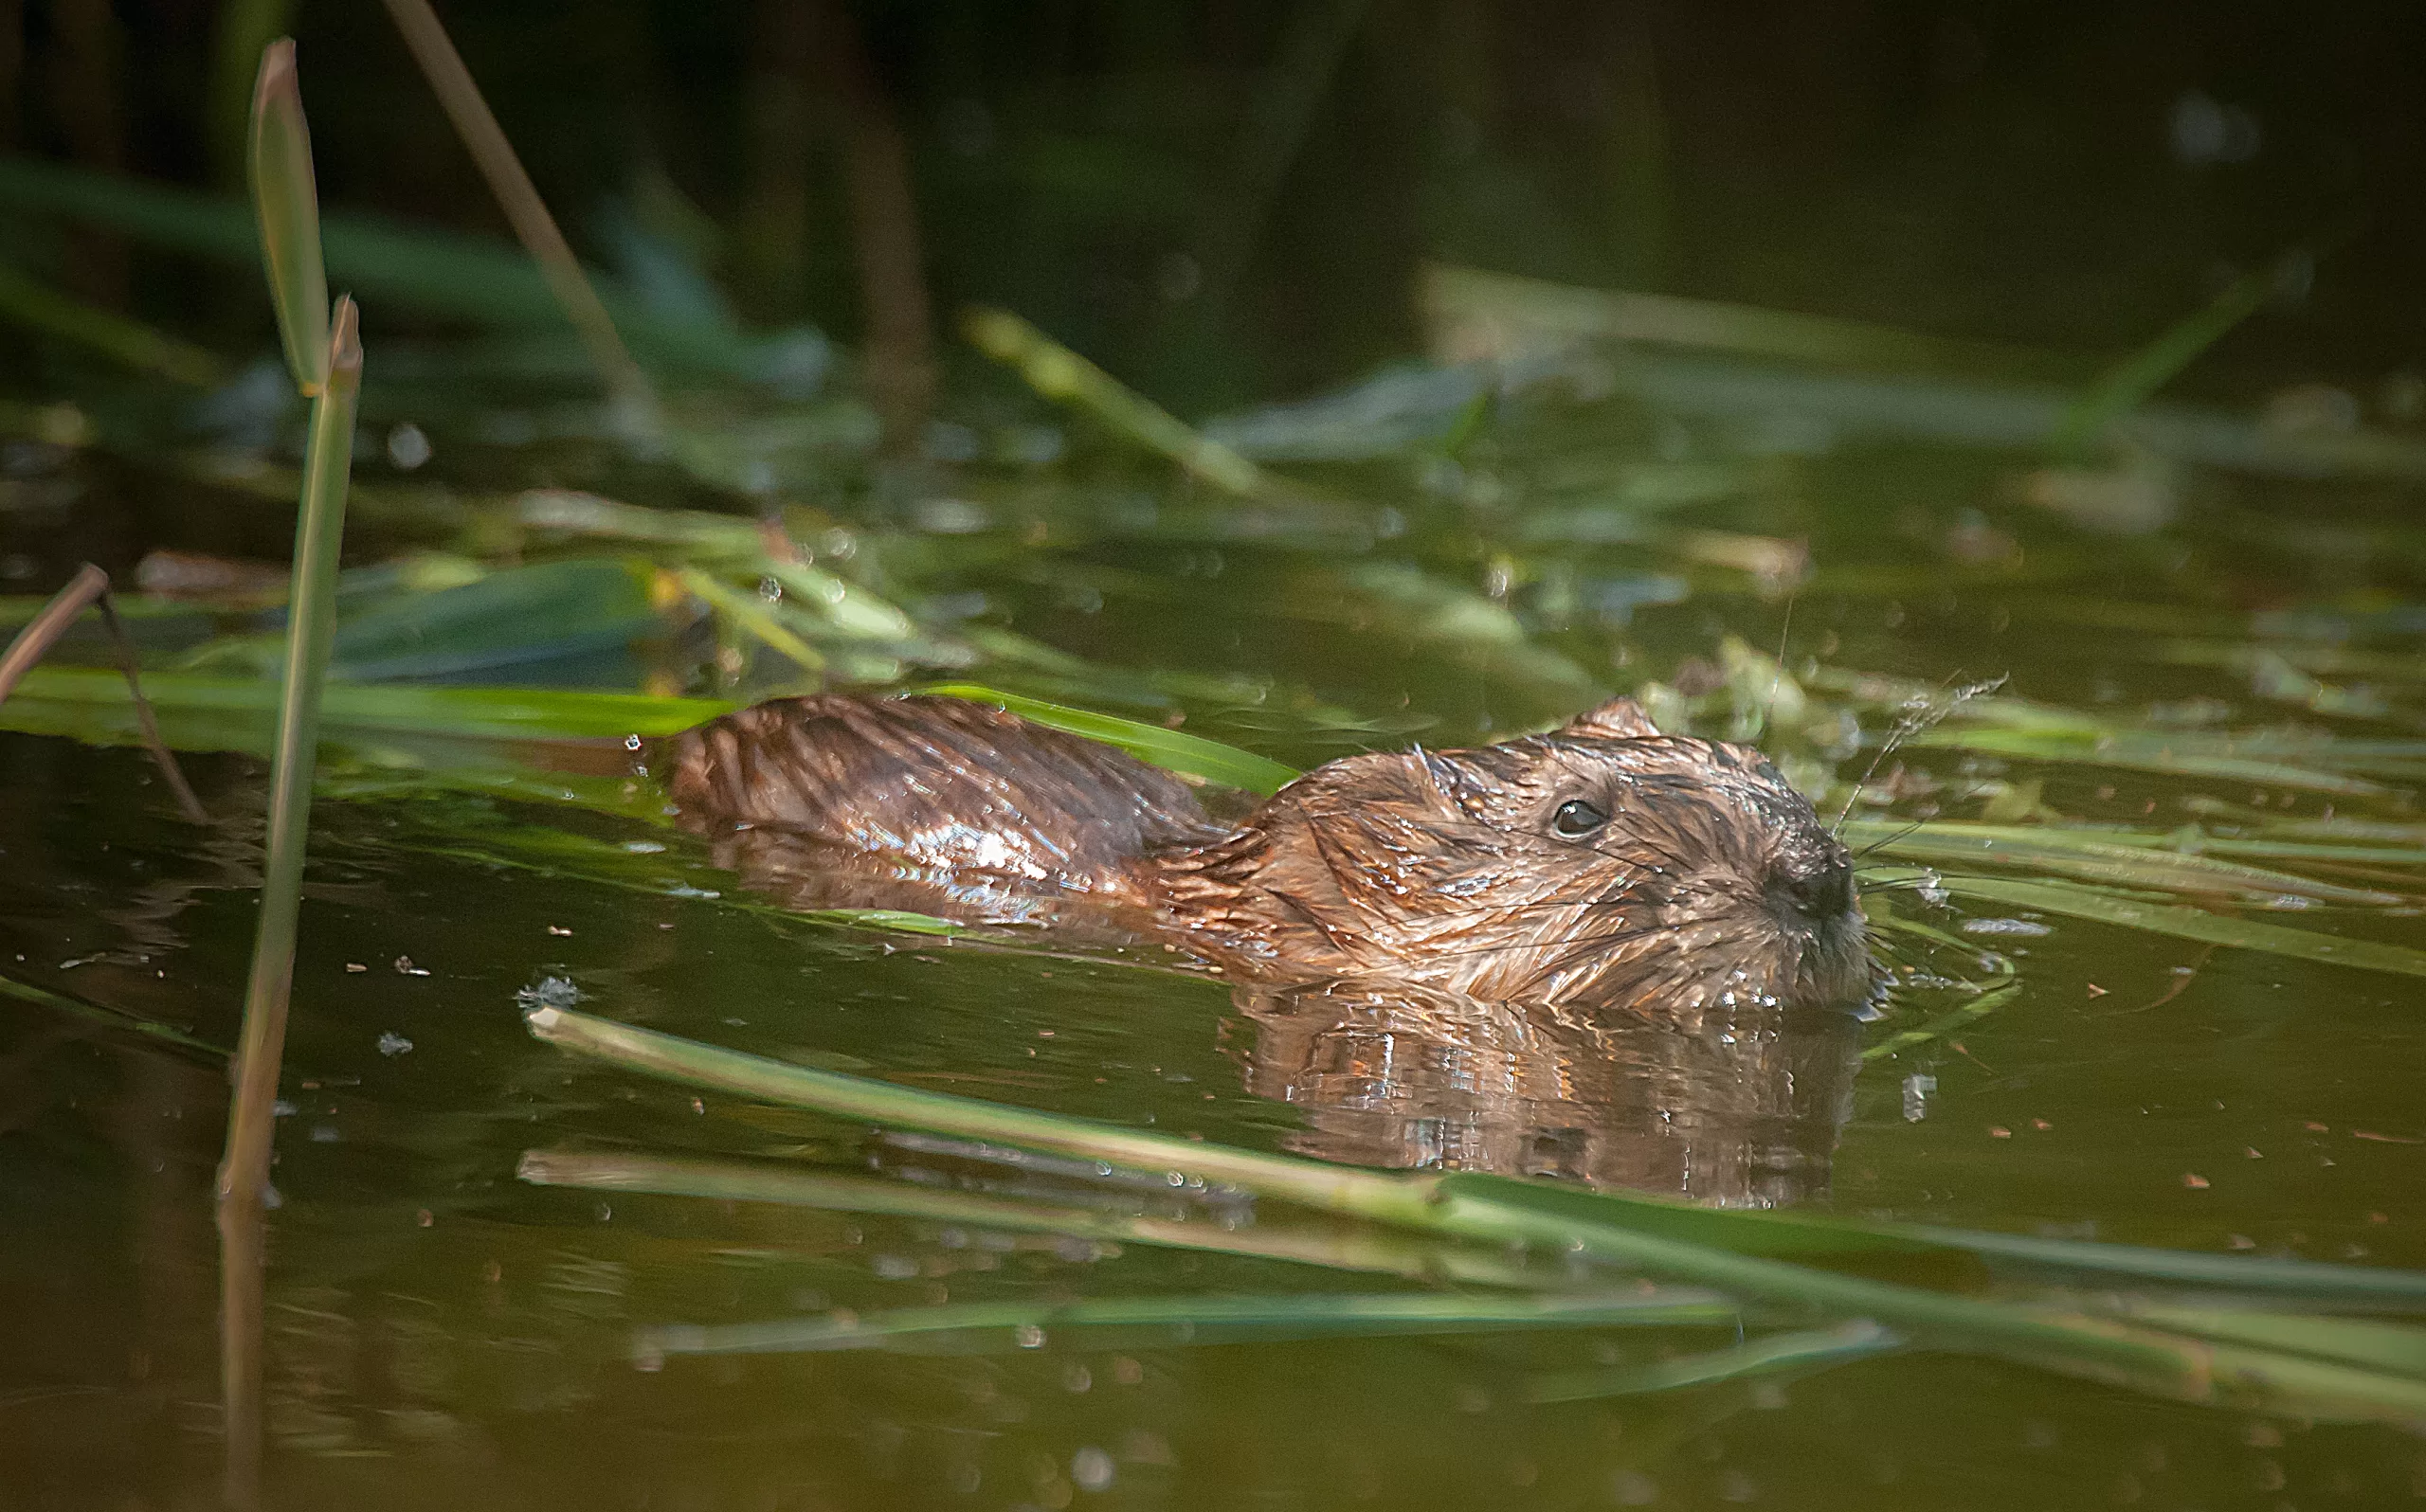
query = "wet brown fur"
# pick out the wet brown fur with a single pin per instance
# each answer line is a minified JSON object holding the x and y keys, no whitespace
{"x":1712,"y":883}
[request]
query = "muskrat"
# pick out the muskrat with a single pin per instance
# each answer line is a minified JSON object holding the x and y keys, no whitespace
{"x":1603,"y":864}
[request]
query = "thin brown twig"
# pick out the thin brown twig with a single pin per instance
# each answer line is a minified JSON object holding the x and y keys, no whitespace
{"x":2180,"y":982}
{"x":91,"y":586}
{"x":635,"y":400}
{"x":42,"y":631}
{"x":163,"y":757}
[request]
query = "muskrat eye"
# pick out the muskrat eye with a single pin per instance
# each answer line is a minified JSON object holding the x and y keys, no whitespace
{"x":1576,"y":818}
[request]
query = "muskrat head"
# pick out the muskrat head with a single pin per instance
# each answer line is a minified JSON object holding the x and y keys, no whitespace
{"x":1601,"y":864}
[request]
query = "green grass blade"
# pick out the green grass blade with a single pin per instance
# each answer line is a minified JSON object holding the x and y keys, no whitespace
{"x":288,"y":203}
{"x":1331,"y":1246}
{"x":2076,"y":901}
{"x":1944,"y":1024}
{"x":1193,"y":755}
{"x":1059,"y":374}
{"x":1623,"y":1230}
{"x":233,"y":713}
{"x":1183,"y":1320}
{"x":2183,"y":756}
{"x":39,"y":307}
{"x":319,"y":531}
{"x":2123,"y":387}
{"x":115,"y":1019}
{"x":2094,"y":857}
{"x":2313,"y":1280}
{"x":1801,"y":1352}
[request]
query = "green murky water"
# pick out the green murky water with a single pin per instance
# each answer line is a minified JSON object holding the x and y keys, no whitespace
{"x":442,"y":1332}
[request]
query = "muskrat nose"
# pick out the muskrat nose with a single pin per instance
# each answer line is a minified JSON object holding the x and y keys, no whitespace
{"x":1824,"y":891}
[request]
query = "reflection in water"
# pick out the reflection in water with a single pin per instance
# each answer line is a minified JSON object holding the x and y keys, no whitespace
{"x":1735,"y":1105}
{"x":1732,"y":1104}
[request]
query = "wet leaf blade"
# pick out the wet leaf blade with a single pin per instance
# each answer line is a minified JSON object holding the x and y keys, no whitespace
{"x":1170,"y":749}
{"x":2075,"y":901}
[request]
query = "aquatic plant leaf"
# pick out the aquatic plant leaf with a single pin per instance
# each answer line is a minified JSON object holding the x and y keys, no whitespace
{"x":286,"y":201}
{"x":2174,"y":756}
{"x":1193,"y":755}
{"x":2355,"y":1342}
{"x":2080,"y":902}
{"x":1059,"y":374}
{"x":91,"y":704}
{"x":1330,"y":1245}
{"x":1615,"y":1228}
{"x":472,"y":278}
{"x":987,"y":1326}
{"x":2096,"y":856}
{"x":1798,"y":1352}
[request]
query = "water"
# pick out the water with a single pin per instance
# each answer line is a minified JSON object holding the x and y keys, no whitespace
{"x":442,"y":1332}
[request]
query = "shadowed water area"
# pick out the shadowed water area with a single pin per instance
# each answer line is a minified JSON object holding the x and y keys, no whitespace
{"x":2085,"y":612}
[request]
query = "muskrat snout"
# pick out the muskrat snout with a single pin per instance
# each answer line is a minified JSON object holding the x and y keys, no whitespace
{"x":1821,"y":889}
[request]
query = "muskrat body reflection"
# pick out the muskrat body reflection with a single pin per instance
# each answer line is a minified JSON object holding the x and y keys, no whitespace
{"x":1603,"y":866}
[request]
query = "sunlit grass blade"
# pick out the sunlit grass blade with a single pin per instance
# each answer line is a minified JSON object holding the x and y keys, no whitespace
{"x":756,"y":617}
{"x":287,"y":203}
{"x":1798,"y":1353}
{"x":230,"y":712}
{"x":1192,"y":754}
{"x":987,"y":1326}
{"x":2076,"y":901}
{"x":2099,"y":856}
{"x":1059,"y":374}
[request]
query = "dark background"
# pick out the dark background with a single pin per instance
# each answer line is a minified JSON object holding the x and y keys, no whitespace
{"x":1225,"y":200}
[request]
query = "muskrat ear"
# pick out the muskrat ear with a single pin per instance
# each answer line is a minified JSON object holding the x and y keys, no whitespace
{"x":1618,"y":719}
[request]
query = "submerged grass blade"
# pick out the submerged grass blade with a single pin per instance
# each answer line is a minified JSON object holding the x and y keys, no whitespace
{"x":1184,"y":1320}
{"x":2076,"y":901}
{"x":1801,"y":1352}
{"x":1944,"y":1024}
{"x":1332,"y":1247}
{"x":1630,"y":1231}
{"x":108,"y":1017}
{"x":1190,"y":754}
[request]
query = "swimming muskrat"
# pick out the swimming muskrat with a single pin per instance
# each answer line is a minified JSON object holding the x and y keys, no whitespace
{"x":1603,"y":864}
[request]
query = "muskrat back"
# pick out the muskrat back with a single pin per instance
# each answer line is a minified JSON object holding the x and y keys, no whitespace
{"x":940,"y":783}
